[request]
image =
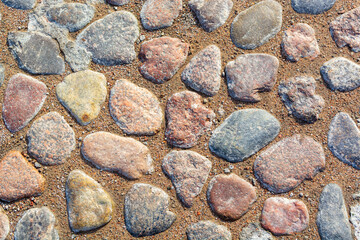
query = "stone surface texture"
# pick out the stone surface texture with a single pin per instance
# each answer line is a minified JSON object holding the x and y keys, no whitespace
{"x":254,"y":231}
{"x":2,"y":73}
{"x":118,"y":2}
{"x":312,"y":6}
{"x":355,"y":219}
{"x":4,"y":224}
{"x":20,"y":4}
{"x":207,"y":230}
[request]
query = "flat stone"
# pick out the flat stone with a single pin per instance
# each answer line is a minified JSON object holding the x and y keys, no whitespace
{"x":23,"y":99}
{"x":344,"y":140}
{"x":188,"y":172}
{"x":341,"y":74}
{"x":2,"y":73}
{"x":111,"y":39}
{"x":299,"y":41}
{"x":256,"y":25}
{"x":345,"y":30}
{"x":89,"y":206}
{"x":332,"y":219}
{"x":162,"y":58}
{"x":135,"y":110}
{"x":284,"y":216}
{"x":286,"y":164}
{"x":123,"y":155}
{"x":18,"y":178}
{"x":83,"y":94}
{"x":203,"y":71}
{"x":36,"y":53}
{"x":4,"y":224}
{"x":299,"y":97}
{"x":211,"y":14}
{"x":187,"y":119}
{"x":254,"y":231}
{"x":146,"y":210}
{"x":355,"y":219}
{"x":36,"y":223}
{"x":243,"y":134}
{"x":206,"y":230}
{"x":250,"y":74}
{"x":156,"y":14}
{"x":312,"y":6}
{"x":20,"y":4}
{"x":230,"y":196}
{"x":118,"y":2}
{"x":50,"y":139}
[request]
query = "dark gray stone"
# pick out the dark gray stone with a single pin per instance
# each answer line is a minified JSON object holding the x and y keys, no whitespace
{"x":243,"y":134}
{"x":207,"y":230}
{"x":332,"y":219}
{"x":20,"y":4}
{"x":2,"y":74}
{"x":312,"y":6}
{"x":254,"y":231}
{"x":118,"y":2}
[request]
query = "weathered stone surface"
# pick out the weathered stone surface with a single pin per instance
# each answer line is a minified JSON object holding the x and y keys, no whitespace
{"x":135,"y":110}
{"x":23,"y":99}
{"x":111,"y":39}
{"x":203,"y":71}
{"x":254,"y":231}
{"x":20,"y":4}
{"x":299,"y":41}
{"x":250,"y":74}
{"x":118,"y":2}
{"x":36,"y":53}
{"x":111,"y":152}
{"x":146,"y":210}
{"x":243,"y":134}
{"x":89,"y":206}
{"x":2,"y":73}
{"x":286,"y":164}
{"x":36,"y":223}
{"x":50,"y":139}
{"x":345,"y":30}
{"x":332,"y":219}
{"x":156,"y":14}
{"x":344,"y":140}
{"x":230,"y":196}
{"x":18,"y":178}
{"x":312,"y":6}
{"x":341,"y":74}
{"x":355,"y":219}
{"x":300,"y":99}
{"x":284,"y":216}
{"x":188,"y":172}
{"x":206,"y":230}
{"x":211,"y":14}
{"x":83,"y":94}
{"x":162,"y":58}
{"x":4,"y":224}
{"x":187,"y":119}
{"x":257,"y":24}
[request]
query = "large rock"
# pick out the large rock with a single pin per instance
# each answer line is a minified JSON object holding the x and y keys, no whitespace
{"x":254,"y":231}
{"x":4,"y":224}
{"x":355,"y":219}
{"x":206,"y":230}
{"x":312,"y":6}
{"x":20,"y":4}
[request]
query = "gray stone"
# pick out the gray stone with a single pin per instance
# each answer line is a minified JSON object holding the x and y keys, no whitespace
{"x":118,"y":2}
{"x":332,"y":219}
{"x":355,"y":219}
{"x":207,"y":230}
{"x":146,"y":210}
{"x":312,"y":6}
{"x":2,"y":74}
{"x":257,"y":24}
{"x":4,"y":224}
{"x":243,"y":134}
{"x":20,"y":4}
{"x":254,"y":231}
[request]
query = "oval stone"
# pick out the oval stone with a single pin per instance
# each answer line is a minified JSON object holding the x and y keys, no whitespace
{"x":312,"y":6}
{"x":206,"y":230}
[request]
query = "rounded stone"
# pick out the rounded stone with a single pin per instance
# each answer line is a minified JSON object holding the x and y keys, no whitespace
{"x":206,"y":230}
{"x":2,"y":73}
{"x":20,"y":4}
{"x":254,"y":231}
{"x":4,"y":224}
{"x":312,"y":6}
{"x":118,"y":2}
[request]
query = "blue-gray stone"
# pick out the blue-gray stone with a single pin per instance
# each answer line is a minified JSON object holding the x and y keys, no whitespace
{"x":254,"y":231}
{"x":243,"y":134}
{"x":207,"y":230}
{"x":332,"y":219}
{"x":20,"y":4}
{"x":312,"y":6}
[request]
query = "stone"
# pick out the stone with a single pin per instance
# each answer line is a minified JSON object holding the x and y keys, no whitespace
{"x":188,"y":172}
{"x":36,"y":53}
{"x":355,"y":219}
{"x":312,"y":6}
{"x":299,"y":41}
{"x":254,"y":231}
{"x":50,"y":139}
{"x":332,"y":219}
{"x":18,"y":178}
{"x":344,"y":140}
{"x":187,"y":119}
{"x":20,"y":4}
{"x":286,"y":164}
{"x":206,"y":230}
{"x":89,"y":206}
{"x":156,"y":14}
{"x":23,"y":99}
{"x":284,"y":216}
{"x":82,"y":94}
{"x":4,"y":224}
{"x":36,"y":223}
{"x":299,"y":97}
{"x":146,"y":210}
{"x":73,"y":16}
{"x":2,"y":73}
{"x":162,"y":58}
{"x":230,"y":196}
{"x":211,"y":14}
{"x":111,"y":39}
{"x":203,"y":71}
{"x":243,"y":134}
{"x":123,"y":155}
{"x":341,"y":74}
{"x":345,"y":30}
{"x":256,"y":25}
{"x":250,"y":74}
{"x":135,"y":110}
{"x":118,"y":2}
